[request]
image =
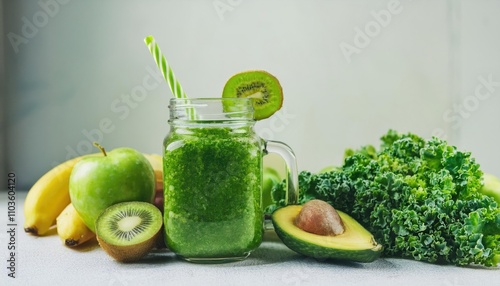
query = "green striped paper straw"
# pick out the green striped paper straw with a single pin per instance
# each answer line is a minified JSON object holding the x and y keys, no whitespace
{"x":167,"y":72}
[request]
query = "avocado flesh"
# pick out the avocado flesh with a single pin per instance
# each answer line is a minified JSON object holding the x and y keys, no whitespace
{"x":355,"y":244}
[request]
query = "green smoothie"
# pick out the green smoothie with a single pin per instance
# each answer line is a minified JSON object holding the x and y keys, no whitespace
{"x":212,"y":183}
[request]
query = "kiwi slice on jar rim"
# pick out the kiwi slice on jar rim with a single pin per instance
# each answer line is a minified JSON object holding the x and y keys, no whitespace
{"x":264,"y":89}
{"x":128,"y":231}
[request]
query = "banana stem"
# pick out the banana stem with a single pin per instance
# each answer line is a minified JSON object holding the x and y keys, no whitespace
{"x":100,"y":148}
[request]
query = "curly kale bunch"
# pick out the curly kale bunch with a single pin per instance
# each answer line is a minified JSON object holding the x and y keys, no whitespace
{"x":420,"y":199}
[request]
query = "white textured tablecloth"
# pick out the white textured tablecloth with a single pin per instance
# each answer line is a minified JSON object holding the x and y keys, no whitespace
{"x":45,"y":261}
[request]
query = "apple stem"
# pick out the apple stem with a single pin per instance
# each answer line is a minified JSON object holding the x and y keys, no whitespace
{"x":101,"y":148}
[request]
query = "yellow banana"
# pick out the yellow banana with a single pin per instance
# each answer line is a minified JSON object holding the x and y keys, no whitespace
{"x":71,"y":228}
{"x":50,"y":194}
{"x":47,"y":198}
{"x":156,"y":161}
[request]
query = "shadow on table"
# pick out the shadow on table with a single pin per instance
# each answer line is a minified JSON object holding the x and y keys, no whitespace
{"x":159,"y":256}
{"x":274,"y":252}
{"x":380,"y":263}
{"x":271,"y":251}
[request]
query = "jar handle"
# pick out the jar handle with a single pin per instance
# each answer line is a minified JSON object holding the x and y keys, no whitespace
{"x":291,"y":174}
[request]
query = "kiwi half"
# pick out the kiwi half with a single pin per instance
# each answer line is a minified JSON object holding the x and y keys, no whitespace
{"x":261,"y":86}
{"x":128,"y":231}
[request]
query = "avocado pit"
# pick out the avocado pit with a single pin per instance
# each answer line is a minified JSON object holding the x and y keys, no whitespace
{"x":319,"y":217}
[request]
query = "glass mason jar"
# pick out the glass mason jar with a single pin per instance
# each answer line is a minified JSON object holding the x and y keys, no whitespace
{"x":212,"y":163}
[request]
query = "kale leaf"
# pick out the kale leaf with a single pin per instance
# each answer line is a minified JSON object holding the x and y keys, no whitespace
{"x":419,"y":198}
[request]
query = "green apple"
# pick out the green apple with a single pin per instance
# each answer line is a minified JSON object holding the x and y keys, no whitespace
{"x":491,"y":186}
{"x":270,"y":178}
{"x":98,"y":182}
{"x":328,"y":169}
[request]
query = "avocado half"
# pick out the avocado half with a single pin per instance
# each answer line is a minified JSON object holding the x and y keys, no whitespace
{"x":354,"y":244}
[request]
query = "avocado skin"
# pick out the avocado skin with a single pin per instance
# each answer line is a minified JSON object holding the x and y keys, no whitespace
{"x":321,"y":252}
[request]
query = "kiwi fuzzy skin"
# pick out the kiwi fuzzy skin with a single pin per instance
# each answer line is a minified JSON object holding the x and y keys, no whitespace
{"x":130,"y":253}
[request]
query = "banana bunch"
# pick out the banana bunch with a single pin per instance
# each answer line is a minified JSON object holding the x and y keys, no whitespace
{"x":48,"y":203}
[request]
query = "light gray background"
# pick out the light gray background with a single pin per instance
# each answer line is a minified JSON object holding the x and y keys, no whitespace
{"x":81,"y":61}
{"x":3,"y":110}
